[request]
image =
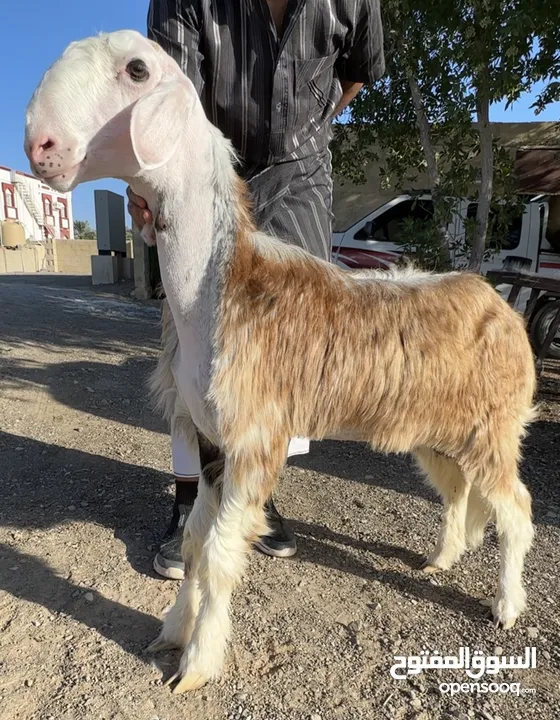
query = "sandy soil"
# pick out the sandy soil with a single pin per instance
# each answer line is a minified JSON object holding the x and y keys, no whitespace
{"x":86,"y":494}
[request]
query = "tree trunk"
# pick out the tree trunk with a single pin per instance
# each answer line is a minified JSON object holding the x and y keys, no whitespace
{"x":430,"y":155}
{"x":486,"y":179}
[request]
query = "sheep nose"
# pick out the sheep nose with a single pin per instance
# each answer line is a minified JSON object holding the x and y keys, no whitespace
{"x":39,"y":149}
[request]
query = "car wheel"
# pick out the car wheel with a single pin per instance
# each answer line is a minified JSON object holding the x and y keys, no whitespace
{"x":540,"y":325}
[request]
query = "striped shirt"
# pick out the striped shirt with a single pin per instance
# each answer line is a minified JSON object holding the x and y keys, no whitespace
{"x":272,"y":94}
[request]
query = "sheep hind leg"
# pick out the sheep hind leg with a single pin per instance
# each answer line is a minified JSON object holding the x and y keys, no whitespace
{"x":479,"y":514}
{"x":450,"y":482}
{"x":247,"y":484}
{"x":511,"y":506}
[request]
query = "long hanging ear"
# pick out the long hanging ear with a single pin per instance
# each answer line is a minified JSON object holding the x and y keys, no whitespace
{"x":158,"y":119}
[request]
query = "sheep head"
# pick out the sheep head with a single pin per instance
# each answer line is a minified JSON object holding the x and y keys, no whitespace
{"x":115,"y":105}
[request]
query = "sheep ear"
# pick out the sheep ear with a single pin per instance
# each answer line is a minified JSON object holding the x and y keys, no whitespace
{"x":158,"y":119}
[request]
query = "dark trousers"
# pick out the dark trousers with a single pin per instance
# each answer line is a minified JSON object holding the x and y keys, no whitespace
{"x":293,"y":201}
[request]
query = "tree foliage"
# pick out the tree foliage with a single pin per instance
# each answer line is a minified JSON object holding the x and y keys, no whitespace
{"x":448,"y":61}
{"x":83,"y":230}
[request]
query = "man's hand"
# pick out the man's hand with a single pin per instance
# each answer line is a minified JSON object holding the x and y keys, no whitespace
{"x":349,"y":92}
{"x":138,"y":209}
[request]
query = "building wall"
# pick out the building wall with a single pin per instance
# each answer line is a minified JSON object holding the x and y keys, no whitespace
{"x":29,"y":259}
{"x":71,"y":257}
{"x":44,"y":199}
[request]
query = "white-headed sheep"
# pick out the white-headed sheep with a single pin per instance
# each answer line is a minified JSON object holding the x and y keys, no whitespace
{"x":267,"y":342}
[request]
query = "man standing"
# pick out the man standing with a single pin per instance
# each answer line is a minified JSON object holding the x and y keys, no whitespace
{"x":271,"y":75}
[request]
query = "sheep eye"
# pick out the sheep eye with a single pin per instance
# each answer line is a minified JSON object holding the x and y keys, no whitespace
{"x":137,"y":70}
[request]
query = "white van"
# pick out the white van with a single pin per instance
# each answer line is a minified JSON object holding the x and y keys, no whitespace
{"x":372,"y":243}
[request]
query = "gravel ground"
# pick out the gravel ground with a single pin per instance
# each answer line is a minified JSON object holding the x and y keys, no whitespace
{"x":86,"y":494}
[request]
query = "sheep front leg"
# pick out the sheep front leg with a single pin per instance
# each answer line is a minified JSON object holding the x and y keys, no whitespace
{"x":179,"y":622}
{"x":240,"y":520}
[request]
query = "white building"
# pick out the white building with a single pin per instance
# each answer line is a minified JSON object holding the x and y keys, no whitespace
{"x":43,"y":213}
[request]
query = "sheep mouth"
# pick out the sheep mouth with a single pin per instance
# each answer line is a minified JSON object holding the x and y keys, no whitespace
{"x":64,"y":180}
{"x":63,"y":174}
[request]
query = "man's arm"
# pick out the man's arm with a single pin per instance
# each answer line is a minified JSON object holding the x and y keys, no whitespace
{"x":362,"y":61}
{"x":349,"y":91}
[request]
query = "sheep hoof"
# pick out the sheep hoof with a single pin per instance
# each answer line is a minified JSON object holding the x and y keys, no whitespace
{"x":174,"y":677}
{"x":160,"y":644}
{"x":505,"y":612}
{"x":504,"y":624}
{"x":189,"y":682}
{"x":429,"y":569}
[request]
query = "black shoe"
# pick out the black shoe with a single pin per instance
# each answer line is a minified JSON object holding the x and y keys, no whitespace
{"x":280,"y":542}
{"x":169,"y":562}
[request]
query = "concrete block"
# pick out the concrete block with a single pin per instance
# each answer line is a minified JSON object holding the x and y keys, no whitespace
{"x":104,"y":269}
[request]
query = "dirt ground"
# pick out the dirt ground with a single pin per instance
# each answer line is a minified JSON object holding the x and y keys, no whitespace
{"x":86,"y":494}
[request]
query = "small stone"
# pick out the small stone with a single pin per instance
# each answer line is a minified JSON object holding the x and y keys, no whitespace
{"x":29,"y":683}
{"x":84,"y":503}
{"x":498,"y":650}
{"x":71,"y":508}
{"x":89,"y":597}
{"x":369,"y":477}
{"x":533,"y":632}
{"x":416,"y":703}
{"x":315,"y":717}
{"x":545,"y":654}
{"x":359,"y":504}
{"x":355,"y":626}
{"x":89,"y":389}
{"x":36,"y":623}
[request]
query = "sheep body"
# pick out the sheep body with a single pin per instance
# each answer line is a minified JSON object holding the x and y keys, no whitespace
{"x":263,"y":342}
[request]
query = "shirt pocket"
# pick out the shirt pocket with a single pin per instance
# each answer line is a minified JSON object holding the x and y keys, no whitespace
{"x":317,"y":75}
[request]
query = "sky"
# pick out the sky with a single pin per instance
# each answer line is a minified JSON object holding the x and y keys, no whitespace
{"x":33,"y":34}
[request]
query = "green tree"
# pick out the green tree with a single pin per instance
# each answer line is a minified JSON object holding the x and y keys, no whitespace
{"x":447,"y":62}
{"x":83,"y":230}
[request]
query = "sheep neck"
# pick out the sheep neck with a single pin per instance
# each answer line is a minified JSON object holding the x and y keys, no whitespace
{"x":196,"y":223}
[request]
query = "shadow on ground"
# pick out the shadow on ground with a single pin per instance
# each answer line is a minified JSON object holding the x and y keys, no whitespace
{"x":71,"y":485}
{"x":28,"y":578}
